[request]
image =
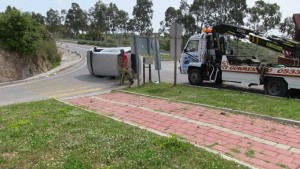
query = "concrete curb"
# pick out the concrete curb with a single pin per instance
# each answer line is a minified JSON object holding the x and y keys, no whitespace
{"x":50,"y":72}
{"x":265,"y":117}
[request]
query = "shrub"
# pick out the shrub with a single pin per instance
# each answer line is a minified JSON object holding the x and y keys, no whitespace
{"x":47,"y":49}
{"x":19,"y":32}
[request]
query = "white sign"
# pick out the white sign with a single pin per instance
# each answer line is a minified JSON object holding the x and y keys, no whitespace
{"x":176,"y":30}
{"x":175,"y":50}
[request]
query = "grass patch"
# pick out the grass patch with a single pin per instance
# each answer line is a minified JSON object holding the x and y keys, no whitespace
{"x":50,"y":134}
{"x":283,"y":166}
{"x":172,"y":143}
{"x":166,"y":57}
{"x":250,"y":153}
{"x":237,"y":100}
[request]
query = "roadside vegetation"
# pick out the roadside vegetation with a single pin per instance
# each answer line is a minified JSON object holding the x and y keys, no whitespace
{"x":166,"y":57}
{"x":236,"y":100}
{"x":108,"y":41}
{"x":21,"y":33}
{"x":50,"y":134}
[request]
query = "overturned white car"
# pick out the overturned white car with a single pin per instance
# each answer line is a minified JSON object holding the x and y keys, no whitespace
{"x":104,"y":61}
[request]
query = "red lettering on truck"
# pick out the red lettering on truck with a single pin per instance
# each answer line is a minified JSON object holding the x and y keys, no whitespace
{"x":289,"y":71}
{"x":243,"y":68}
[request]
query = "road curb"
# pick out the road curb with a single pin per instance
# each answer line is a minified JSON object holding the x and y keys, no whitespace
{"x":265,"y":117}
{"x":48,"y":73}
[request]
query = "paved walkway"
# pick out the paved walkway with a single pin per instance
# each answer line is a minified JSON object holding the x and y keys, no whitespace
{"x":260,"y":143}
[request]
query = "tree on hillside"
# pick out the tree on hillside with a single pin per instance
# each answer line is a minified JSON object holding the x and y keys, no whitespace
{"x":171,"y":15}
{"x":181,"y":16}
{"x":264,"y":16}
{"x":185,"y":18}
{"x":189,"y":24}
{"x":184,"y":7}
{"x":63,"y":30}
{"x":19,"y":32}
{"x":121,"y":20}
{"x":98,"y":17}
{"x":85,"y":19}
{"x":162,"y":28}
{"x":287,"y":27}
{"x":202,"y":10}
{"x":63,"y":14}
{"x":38,"y":18}
{"x":53,"y":21}
{"x":131,"y":25}
{"x":111,"y":17}
{"x":143,"y":14}
{"x":76,"y":19}
{"x":9,"y":8}
{"x":231,"y":12}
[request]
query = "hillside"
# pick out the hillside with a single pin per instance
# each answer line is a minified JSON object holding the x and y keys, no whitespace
{"x":250,"y":49}
{"x":26,"y":46}
{"x":14,"y":66}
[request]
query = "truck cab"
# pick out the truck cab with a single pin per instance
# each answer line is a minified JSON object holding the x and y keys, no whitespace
{"x":199,"y":59}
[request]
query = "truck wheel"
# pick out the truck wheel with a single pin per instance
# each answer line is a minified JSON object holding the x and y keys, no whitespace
{"x":219,"y":79}
{"x":276,"y":87}
{"x":195,"y":77}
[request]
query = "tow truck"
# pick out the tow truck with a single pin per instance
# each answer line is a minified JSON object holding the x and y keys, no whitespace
{"x":207,"y":56}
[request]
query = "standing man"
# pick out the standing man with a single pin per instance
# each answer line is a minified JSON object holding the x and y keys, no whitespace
{"x":125,"y":70}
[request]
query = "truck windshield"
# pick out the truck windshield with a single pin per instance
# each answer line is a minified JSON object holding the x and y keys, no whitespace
{"x":192,"y":46}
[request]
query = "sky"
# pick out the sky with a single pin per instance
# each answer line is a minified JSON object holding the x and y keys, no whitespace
{"x":287,"y":7}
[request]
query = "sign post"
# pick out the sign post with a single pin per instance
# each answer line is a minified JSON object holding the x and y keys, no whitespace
{"x":175,"y":45}
{"x":142,"y":45}
{"x":155,"y":47}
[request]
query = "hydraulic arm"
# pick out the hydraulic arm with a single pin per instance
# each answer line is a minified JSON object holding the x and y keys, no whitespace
{"x":289,"y":47}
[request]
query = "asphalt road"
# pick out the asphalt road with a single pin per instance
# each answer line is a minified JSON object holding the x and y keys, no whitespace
{"x":76,"y":81}
{"x":71,"y":82}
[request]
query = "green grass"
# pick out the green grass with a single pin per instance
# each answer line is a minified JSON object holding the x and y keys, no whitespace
{"x":283,"y":166}
{"x":250,"y":153}
{"x":166,"y":58}
{"x":237,"y":100}
{"x":50,"y":134}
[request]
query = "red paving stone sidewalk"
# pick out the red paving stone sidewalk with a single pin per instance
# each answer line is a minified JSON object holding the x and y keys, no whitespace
{"x":260,"y":143}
